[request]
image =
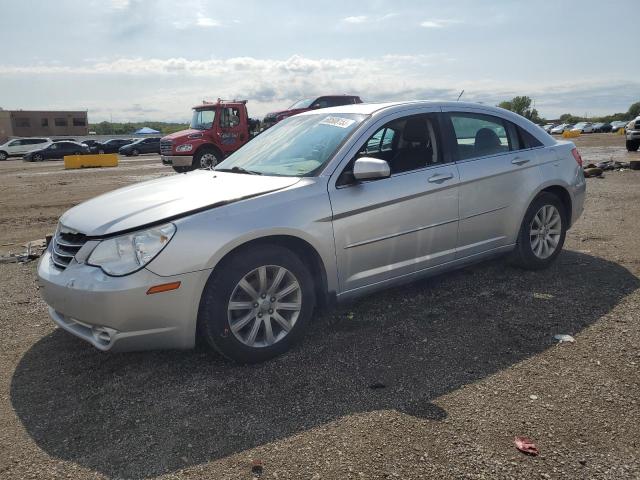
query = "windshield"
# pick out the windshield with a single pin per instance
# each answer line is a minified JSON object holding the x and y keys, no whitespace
{"x":295,"y":147}
{"x":202,"y":119}
{"x":306,"y":103}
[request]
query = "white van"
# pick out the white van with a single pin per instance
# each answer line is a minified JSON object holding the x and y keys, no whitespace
{"x":19,"y":146}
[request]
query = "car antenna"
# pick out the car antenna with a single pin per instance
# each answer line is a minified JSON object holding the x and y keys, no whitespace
{"x":460,"y":95}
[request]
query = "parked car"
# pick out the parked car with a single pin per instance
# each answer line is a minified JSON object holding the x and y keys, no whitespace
{"x":560,"y":129}
{"x":633,"y":135}
{"x":112,"y":145}
{"x":56,"y":150}
{"x":64,"y":140}
{"x":583,"y":127}
{"x":92,"y":144}
{"x":19,"y":146}
{"x":601,"y":127}
{"x":141,"y":145}
{"x":327,"y":205}
{"x":547,"y":128}
{"x":617,"y":125}
{"x":307,"y":104}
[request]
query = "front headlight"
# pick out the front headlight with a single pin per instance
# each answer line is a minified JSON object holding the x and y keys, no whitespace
{"x":126,"y":254}
{"x":187,"y":147}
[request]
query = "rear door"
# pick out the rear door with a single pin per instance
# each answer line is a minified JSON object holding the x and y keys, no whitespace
{"x":389,"y":228}
{"x":496,"y":177}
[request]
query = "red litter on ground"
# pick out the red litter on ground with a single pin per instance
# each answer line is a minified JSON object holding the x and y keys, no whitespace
{"x":526,"y":445}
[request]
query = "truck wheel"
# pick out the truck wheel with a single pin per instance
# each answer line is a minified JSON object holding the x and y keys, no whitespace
{"x":206,"y":158}
{"x":182,"y":169}
{"x":257,"y":305}
{"x":542,"y":233}
{"x":632,"y":146}
{"x":3,"y":156}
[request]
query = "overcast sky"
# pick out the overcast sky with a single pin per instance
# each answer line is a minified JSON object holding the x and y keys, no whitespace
{"x":152,"y":60}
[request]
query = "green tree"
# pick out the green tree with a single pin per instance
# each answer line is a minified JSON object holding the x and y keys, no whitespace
{"x":634,"y":111}
{"x":522,"y":106}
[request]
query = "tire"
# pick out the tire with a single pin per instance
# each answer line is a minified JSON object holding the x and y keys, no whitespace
{"x":528,"y":254}
{"x":37,"y":158}
{"x":205,"y":158}
{"x":632,"y":145}
{"x":182,"y":169}
{"x":229,"y":330}
{"x":3,"y":156}
{"x":135,"y":152}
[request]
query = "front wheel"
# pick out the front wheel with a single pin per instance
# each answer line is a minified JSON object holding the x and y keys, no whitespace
{"x":3,"y":156}
{"x":135,"y":152}
{"x":541,"y":234}
{"x":38,"y":157}
{"x":205,"y":159}
{"x":633,"y":145}
{"x":257,"y":304}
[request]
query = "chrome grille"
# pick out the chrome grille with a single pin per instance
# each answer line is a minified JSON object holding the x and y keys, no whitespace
{"x":166,"y":147}
{"x":64,"y":247}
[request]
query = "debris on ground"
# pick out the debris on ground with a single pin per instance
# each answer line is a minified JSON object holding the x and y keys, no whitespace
{"x":612,"y":165}
{"x":592,"y":171}
{"x":564,"y":338}
{"x":33,"y":250}
{"x":256,"y":468}
{"x":526,"y":446}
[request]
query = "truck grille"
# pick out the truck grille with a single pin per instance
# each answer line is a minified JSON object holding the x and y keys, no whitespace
{"x":64,"y":247}
{"x":166,"y":147}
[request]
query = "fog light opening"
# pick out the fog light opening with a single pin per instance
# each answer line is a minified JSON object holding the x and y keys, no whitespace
{"x":103,"y":334}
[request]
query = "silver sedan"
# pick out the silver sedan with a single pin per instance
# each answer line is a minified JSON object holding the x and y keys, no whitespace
{"x":325,"y":206}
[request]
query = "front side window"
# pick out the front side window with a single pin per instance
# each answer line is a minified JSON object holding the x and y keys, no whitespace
{"x":298,"y":146}
{"x":230,"y":117}
{"x":202,"y":119}
{"x":304,"y":103}
{"x":479,"y":135}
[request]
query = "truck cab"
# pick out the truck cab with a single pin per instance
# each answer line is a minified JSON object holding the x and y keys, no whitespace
{"x":217,"y":130}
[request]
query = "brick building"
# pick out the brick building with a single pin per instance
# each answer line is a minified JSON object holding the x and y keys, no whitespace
{"x":45,"y":123}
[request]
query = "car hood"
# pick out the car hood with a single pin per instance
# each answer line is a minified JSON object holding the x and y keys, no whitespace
{"x":166,"y":198}
{"x":182,"y":134}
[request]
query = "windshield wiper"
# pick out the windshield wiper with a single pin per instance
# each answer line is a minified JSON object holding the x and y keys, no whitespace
{"x":238,"y":170}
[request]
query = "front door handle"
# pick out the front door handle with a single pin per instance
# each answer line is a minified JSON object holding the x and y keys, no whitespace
{"x":519,"y":161}
{"x":440,"y":177}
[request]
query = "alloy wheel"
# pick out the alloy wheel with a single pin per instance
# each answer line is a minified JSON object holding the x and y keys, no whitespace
{"x":264,"y":306}
{"x":545,"y":231}
{"x":37,"y":158}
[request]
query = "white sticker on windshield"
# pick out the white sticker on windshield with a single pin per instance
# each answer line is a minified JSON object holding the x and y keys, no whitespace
{"x":338,"y":122}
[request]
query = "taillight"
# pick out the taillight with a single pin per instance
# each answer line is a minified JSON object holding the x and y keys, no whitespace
{"x":576,"y":156}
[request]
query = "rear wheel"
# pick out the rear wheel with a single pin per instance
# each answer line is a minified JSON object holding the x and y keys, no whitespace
{"x":38,"y":157}
{"x":135,"y":152}
{"x":3,"y":156}
{"x":632,"y":145}
{"x":542,"y":233}
{"x":257,"y":304}
{"x":182,"y":169}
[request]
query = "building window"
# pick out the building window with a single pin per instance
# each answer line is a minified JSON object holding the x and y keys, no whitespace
{"x":44,"y":122}
{"x":61,"y":122}
{"x":23,"y":123}
{"x":79,"y":122}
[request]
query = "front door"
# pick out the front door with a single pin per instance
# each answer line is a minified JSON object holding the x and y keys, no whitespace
{"x":233,"y":129}
{"x":393,"y":227}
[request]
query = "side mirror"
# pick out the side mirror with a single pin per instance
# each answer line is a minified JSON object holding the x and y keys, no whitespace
{"x":367,"y":168}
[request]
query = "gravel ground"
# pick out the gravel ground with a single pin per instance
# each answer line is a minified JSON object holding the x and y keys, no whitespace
{"x":467,"y":361}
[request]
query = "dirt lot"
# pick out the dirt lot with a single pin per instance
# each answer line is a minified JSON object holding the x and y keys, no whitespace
{"x":468,"y":361}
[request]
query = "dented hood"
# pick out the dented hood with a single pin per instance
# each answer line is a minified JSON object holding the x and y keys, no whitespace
{"x":166,"y":198}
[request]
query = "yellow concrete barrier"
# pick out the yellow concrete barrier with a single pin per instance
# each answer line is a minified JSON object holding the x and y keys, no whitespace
{"x":570,"y":133}
{"x":91,"y":161}
{"x":621,"y":131}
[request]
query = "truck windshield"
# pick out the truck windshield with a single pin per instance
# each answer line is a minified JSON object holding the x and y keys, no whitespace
{"x":296,"y":147}
{"x":306,"y":103}
{"x":202,"y":119}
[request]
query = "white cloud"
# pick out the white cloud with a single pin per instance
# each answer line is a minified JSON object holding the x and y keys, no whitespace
{"x":203,"y":21}
{"x":120,"y":4}
{"x":439,"y":23}
{"x":356,"y":19}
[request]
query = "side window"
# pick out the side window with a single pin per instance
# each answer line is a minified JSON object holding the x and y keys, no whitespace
{"x":230,"y":117}
{"x":15,"y":143}
{"x":406,"y":144}
{"x":44,"y":122}
{"x":322,"y":102}
{"x":527,"y":140}
{"x":478,"y":135}
{"x":61,"y":122}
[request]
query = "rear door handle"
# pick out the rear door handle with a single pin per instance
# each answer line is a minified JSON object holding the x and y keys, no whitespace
{"x":519,"y":161}
{"x":440,"y":177}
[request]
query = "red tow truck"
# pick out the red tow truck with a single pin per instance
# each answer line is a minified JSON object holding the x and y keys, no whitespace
{"x":217,"y":130}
